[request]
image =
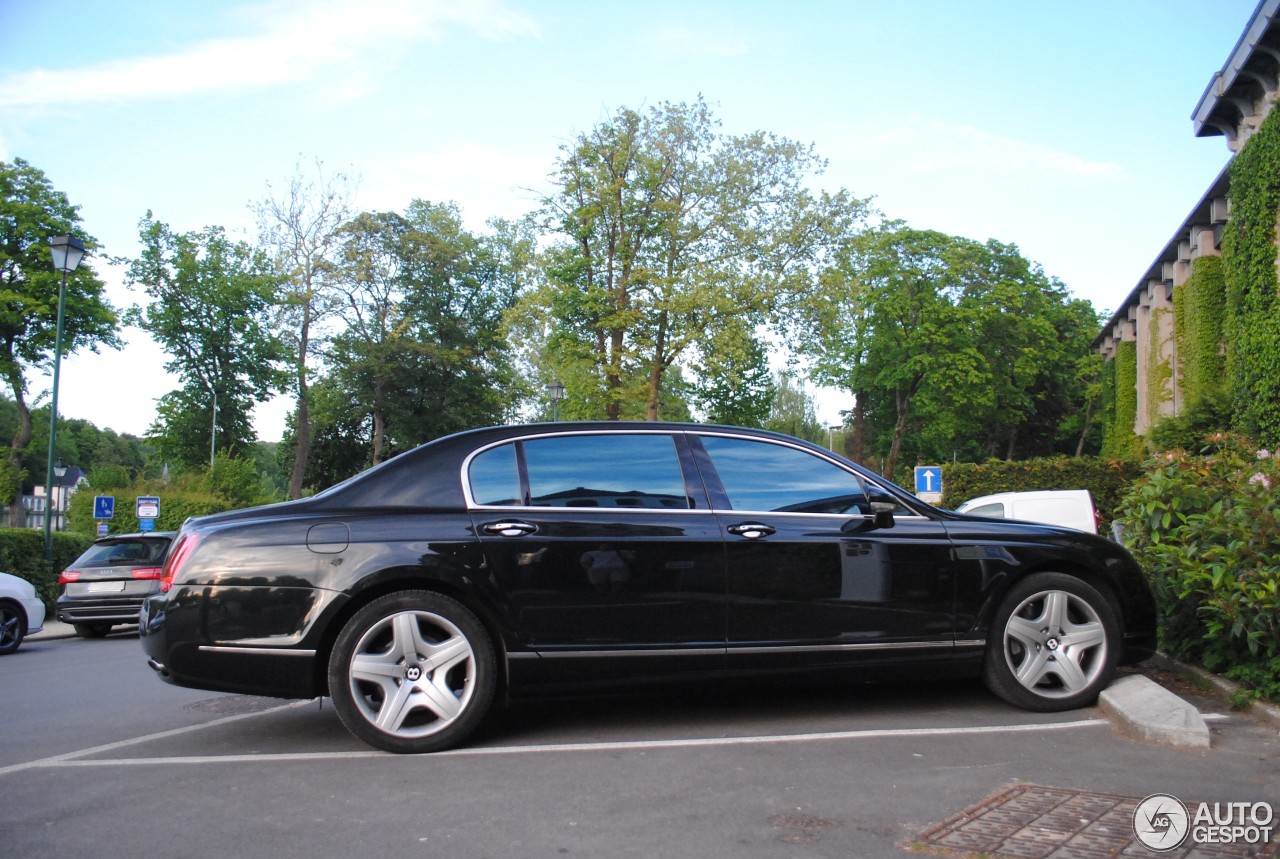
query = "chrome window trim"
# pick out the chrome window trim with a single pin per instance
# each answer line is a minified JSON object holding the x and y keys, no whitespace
{"x":465,"y":476}
{"x":472,"y":504}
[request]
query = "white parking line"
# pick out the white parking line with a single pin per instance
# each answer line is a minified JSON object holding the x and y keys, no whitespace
{"x":73,"y":759}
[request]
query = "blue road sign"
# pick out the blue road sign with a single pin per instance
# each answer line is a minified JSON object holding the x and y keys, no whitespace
{"x":104,"y":506}
{"x":103,"y":529}
{"x":928,"y":478}
{"x":146,"y":524}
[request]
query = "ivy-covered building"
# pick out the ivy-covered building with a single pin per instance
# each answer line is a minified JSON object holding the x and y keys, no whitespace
{"x":1201,"y":329}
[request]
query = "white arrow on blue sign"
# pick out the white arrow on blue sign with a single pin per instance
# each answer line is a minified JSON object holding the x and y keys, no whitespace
{"x":928,"y":478}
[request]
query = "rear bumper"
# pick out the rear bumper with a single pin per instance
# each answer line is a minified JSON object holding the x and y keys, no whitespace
{"x":184,"y":654}
{"x":118,"y":610}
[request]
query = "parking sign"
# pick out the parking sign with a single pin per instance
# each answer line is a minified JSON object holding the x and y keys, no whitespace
{"x":148,"y":507}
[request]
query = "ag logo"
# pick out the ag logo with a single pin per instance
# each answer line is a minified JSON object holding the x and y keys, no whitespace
{"x":1161,"y":822}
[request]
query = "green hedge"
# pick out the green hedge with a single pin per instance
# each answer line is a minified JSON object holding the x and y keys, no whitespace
{"x":1206,"y":530}
{"x":22,"y":554}
{"x":1200,"y":310}
{"x":1108,"y":479}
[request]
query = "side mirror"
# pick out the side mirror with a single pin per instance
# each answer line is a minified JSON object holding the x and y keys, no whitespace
{"x":881,"y":517}
{"x":882,"y":513}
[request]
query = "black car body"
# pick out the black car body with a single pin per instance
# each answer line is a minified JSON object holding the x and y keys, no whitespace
{"x":502,"y":559}
{"x":107,"y":584}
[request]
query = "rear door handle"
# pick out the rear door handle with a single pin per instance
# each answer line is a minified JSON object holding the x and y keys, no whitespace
{"x":509,"y":528}
{"x":751,"y":530}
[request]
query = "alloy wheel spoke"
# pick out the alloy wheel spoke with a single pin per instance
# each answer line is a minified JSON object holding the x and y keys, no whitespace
{"x":440,"y":699}
{"x":1028,"y":632}
{"x":441,"y":658}
{"x":1069,"y":672}
{"x":1032,"y":669}
{"x":1056,"y":604}
{"x":1082,"y":637}
{"x":396,"y":708}
{"x":376,"y":667}
{"x":408,"y":639}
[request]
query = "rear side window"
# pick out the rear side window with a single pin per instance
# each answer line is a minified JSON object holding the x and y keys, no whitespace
{"x":615,"y":470}
{"x":768,"y":477}
{"x":608,"y":471}
{"x":124,"y":553}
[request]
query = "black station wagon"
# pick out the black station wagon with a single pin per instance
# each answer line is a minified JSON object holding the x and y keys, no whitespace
{"x":420,"y":592}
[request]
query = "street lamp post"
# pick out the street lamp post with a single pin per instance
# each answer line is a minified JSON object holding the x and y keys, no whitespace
{"x":67,"y":252}
{"x":555,"y":391}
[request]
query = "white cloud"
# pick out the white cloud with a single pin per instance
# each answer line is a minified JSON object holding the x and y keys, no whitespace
{"x":931,"y":146}
{"x":294,"y":40}
{"x":686,"y":43}
{"x":485,"y":182}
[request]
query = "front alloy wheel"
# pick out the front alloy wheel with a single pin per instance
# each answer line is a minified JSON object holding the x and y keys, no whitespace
{"x":412,"y":672}
{"x":1054,"y":644}
{"x":13,"y":624}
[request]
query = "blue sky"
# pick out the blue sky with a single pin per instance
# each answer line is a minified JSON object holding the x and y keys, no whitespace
{"x":1060,"y":127}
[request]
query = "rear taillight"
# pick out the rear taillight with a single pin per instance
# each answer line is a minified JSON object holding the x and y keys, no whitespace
{"x":67,"y":576}
{"x":178,"y":556}
{"x":148,"y":572}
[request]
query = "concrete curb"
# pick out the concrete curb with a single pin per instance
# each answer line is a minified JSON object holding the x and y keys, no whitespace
{"x":1145,"y":710}
{"x":1269,"y":713}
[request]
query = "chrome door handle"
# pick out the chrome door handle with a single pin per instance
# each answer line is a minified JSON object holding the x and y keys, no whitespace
{"x":751,"y":530}
{"x":509,"y":529}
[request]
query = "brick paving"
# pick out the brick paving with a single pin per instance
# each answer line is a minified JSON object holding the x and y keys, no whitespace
{"x":1028,"y":821}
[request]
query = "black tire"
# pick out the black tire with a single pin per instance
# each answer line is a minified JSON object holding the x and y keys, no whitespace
{"x":422,"y":654}
{"x":13,"y":627}
{"x":1053,"y":644}
{"x":92,"y":630}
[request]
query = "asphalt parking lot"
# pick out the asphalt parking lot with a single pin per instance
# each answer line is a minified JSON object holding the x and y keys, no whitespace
{"x":102,"y":759}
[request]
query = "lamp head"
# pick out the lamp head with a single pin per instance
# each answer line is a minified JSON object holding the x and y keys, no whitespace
{"x":67,"y":253}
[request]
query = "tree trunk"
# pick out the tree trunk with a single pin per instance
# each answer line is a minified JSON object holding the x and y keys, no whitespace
{"x":899,"y":431}
{"x":21,"y":439}
{"x":856,"y":443}
{"x":1084,"y":433}
{"x":302,"y":417}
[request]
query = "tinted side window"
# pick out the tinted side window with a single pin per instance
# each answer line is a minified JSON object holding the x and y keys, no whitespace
{"x":495,"y":478}
{"x":605,"y":471}
{"x":995,"y":511}
{"x":763,"y":476}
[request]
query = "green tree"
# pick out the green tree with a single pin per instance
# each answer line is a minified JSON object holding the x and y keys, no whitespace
{"x":300,"y":228}
{"x":31,"y":212}
{"x":423,"y":300}
{"x":793,"y":410}
{"x":951,"y":348}
{"x":671,"y":236}
{"x":211,"y":306}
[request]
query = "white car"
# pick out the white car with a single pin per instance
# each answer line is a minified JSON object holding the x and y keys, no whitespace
{"x":1071,"y":508}
{"x":21,"y":612}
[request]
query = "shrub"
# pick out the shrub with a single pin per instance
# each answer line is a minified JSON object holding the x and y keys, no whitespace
{"x":1206,"y":529}
{"x":22,"y":554}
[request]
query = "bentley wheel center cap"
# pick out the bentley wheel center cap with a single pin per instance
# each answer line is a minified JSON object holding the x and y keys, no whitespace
{"x":413,"y":673}
{"x":1052,"y":644}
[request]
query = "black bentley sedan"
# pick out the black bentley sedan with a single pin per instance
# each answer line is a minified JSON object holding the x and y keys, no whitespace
{"x":420,"y":592}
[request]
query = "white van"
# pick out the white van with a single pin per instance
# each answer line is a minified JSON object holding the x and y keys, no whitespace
{"x":1071,"y":508}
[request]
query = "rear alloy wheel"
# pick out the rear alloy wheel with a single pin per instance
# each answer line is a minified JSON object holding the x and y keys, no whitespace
{"x":92,"y":630}
{"x":412,"y":672}
{"x":13,"y":627}
{"x":1053,"y":644}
